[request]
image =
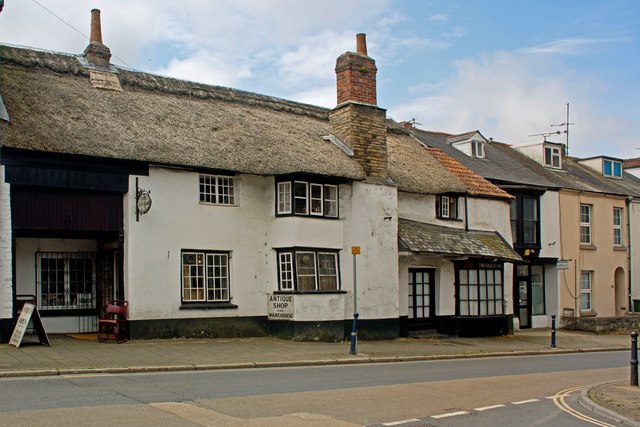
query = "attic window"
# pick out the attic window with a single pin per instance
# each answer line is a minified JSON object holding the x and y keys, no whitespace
{"x":612,"y":168}
{"x":477,"y":149}
{"x":447,"y":207}
{"x":552,"y":157}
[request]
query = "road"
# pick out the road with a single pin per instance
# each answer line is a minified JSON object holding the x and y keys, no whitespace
{"x":489,"y":391}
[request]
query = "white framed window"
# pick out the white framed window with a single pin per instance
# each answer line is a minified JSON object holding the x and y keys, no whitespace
{"x":477,"y":149}
{"x":284,"y":197}
{"x":447,"y":207}
{"x":307,"y":198}
{"x":585,"y":224}
{"x":552,"y":156}
{"x":585,"y":290}
{"x":66,"y":280}
{"x":300,"y":198}
{"x":617,"y":226}
{"x":612,"y":168}
{"x":217,"y":189}
{"x":308,"y":270}
{"x":205,"y":276}
{"x":480,"y":290}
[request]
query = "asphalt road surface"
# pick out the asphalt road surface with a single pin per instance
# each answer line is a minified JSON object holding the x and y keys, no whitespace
{"x":506,"y":391}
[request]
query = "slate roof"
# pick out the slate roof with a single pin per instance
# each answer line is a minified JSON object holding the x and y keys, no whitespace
{"x":504,"y":165}
{"x":53,"y":107}
{"x":416,"y":169}
{"x":425,"y":238}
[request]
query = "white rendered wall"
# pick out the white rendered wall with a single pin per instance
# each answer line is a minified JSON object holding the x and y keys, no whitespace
{"x":634,"y":247}
{"x":6,"y":286}
{"x":372,"y":225}
{"x":251,"y":233}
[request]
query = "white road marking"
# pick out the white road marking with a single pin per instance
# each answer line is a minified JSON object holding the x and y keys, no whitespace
{"x":450,"y":414}
{"x":522,"y":402}
{"x":486,"y":408}
{"x":397,"y":423}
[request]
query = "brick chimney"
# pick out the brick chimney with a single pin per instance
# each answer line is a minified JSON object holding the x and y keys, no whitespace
{"x":357,"y":120}
{"x":96,"y":52}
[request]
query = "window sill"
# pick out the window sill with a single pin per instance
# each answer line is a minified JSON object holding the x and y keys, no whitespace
{"x":229,"y":205}
{"x":588,"y":247}
{"x":207,"y":306}
{"x":308,"y":292}
{"x":449,"y":219}
{"x":289,"y":215}
{"x":588,"y":314}
{"x":620,"y":248}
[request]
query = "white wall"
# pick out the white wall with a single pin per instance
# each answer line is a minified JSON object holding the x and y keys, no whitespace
{"x":251,"y":232}
{"x":6,"y":291}
{"x":444,"y":280}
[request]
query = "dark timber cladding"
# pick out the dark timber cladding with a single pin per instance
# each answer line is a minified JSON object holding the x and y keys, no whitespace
{"x":61,"y":209}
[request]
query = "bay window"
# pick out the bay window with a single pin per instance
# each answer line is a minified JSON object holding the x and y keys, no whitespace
{"x":308,"y":270}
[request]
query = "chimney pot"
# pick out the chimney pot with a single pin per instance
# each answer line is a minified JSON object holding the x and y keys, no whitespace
{"x":96,"y":27}
{"x":361,"y":44}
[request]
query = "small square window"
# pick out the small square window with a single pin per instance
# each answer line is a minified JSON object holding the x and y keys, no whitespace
{"x":612,"y":168}
{"x":552,"y":157}
{"x":217,"y":190}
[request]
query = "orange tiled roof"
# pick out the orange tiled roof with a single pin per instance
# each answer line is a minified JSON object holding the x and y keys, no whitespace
{"x":477,"y":185}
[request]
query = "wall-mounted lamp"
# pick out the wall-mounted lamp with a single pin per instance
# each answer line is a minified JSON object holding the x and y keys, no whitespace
{"x":143,"y":201}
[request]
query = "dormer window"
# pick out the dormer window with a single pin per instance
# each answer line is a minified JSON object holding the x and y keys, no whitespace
{"x":477,"y":149}
{"x":552,"y":156}
{"x":612,"y":168}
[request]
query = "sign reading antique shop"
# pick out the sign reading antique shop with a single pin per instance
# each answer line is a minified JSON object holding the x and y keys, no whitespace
{"x":28,"y":313}
{"x":280,"y":307}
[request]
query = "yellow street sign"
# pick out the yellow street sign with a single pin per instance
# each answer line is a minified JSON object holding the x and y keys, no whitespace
{"x":355,"y":250}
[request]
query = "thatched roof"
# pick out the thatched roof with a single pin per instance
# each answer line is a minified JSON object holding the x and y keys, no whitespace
{"x":53,"y":107}
{"x":414,"y":170}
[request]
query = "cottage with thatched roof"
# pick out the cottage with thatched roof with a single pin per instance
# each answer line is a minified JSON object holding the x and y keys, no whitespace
{"x":217,"y":212}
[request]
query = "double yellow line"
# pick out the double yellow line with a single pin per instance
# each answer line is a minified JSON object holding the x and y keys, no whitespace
{"x":559,"y":401}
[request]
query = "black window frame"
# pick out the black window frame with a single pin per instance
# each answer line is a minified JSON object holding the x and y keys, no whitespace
{"x":314,"y":206}
{"x":518,"y":238}
{"x":480,"y":266}
{"x":293,"y":253}
{"x":453,"y":200}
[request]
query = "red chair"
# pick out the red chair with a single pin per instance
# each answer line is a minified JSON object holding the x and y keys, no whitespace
{"x":115,"y":325}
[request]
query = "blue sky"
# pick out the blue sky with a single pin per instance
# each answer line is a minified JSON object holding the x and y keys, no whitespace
{"x":506,"y":68}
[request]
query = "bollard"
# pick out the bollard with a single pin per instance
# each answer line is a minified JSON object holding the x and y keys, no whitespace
{"x":354,"y":335}
{"x":553,"y":331}
{"x":634,"y":358}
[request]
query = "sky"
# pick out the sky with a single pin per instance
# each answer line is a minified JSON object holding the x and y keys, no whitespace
{"x":505,"y":68}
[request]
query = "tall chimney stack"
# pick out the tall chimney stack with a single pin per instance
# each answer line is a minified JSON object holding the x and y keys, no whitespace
{"x":96,"y":52}
{"x":357,"y":120}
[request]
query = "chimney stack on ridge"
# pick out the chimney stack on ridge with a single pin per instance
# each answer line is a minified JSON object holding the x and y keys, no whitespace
{"x":357,"y":120}
{"x":96,"y":52}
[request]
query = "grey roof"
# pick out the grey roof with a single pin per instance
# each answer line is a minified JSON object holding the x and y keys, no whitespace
{"x":53,"y":107}
{"x":505,"y":165}
{"x":419,"y":237}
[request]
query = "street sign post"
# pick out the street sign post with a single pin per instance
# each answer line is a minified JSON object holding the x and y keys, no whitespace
{"x":355,"y":250}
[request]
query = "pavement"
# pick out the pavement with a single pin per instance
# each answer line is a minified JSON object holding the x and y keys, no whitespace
{"x":82,"y":354}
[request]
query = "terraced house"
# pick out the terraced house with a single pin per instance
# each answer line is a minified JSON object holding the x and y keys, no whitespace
{"x":574,"y":223}
{"x":216,"y":212}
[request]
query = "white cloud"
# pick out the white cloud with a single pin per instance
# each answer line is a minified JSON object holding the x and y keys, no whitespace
{"x":509,"y":97}
{"x":569,"y":46}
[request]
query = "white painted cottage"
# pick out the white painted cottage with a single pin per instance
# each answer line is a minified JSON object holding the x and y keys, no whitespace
{"x":217,"y":213}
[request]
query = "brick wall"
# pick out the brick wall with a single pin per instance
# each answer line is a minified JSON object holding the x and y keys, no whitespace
{"x":363,"y":128}
{"x":356,"y":79}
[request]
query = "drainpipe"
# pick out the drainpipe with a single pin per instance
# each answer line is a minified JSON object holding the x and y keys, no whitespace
{"x":466,"y":214}
{"x":630,"y":259}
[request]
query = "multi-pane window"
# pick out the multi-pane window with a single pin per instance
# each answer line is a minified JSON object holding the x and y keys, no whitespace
{"x":612,"y":168}
{"x":447,"y":207}
{"x":477,"y":149}
{"x":585,"y":224}
{"x":480,"y":290}
{"x":525,"y":220}
{"x":617,"y":226}
{"x":308,"y":270}
{"x":552,"y":156}
{"x":217,"y":189}
{"x":66,"y":280}
{"x":307,"y":198}
{"x":205,"y":276}
{"x":585,"y":290}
